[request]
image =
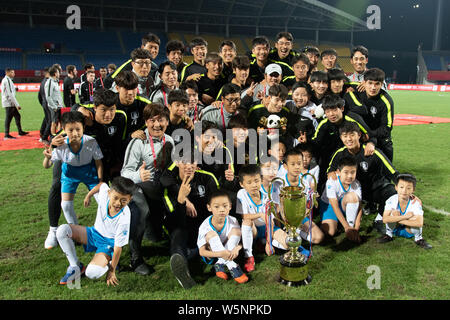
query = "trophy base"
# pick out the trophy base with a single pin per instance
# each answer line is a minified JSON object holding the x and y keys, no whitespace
{"x":294,"y":273}
{"x":296,"y":283}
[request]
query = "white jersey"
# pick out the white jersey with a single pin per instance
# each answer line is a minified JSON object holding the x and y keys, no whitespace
{"x":246,"y":205}
{"x":392,"y":204}
{"x":306,"y":179}
{"x":207,"y":226}
{"x":89,"y":150}
{"x":116,"y":227}
{"x":335,"y":190}
{"x":281,"y":171}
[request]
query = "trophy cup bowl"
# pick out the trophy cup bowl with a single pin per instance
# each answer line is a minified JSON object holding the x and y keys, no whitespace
{"x":293,"y":209}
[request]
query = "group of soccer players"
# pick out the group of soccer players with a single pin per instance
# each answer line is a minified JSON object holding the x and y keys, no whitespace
{"x":189,"y":151}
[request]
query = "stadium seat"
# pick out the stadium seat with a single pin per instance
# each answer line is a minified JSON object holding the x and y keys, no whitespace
{"x":433,"y":62}
{"x":10,"y":60}
{"x":102,"y":60}
{"x":39,"y":61}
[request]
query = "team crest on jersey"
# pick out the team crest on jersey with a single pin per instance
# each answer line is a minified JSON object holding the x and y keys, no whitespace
{"x":112,"y":130}
{"x":134,"y":117}
{"x":364,"y":165}
{"x":373,"y":111}
{"x":201,"y":190}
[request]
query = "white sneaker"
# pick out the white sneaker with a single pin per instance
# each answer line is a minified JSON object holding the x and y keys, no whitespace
{"x":51,"y":240}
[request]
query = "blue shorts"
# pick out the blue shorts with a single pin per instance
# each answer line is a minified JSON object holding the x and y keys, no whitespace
{"x":261,"y":231}
{"x":327,"y":212}
{"x":98,"y":243}
{"x":401,"y":232}
{"x":72,"y":176}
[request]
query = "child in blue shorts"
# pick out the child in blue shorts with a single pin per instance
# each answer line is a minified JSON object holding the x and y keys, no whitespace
{"x":219,"y":236}
{"x":106,"y":238}
{"x":341,"y":201}
{"x":81,"y":161}
{"x":251,"y":203}
{"x":402,"y":214}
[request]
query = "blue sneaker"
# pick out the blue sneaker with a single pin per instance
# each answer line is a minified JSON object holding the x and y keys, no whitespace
{"x":238,"y":275}
{"x":71,"y":274}
{"x":304,"y":252}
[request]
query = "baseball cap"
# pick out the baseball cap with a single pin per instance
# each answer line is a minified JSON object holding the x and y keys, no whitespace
{"x":273,"y":67}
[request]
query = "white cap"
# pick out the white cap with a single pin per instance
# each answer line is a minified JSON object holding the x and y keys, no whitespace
{"x":273,"y":67}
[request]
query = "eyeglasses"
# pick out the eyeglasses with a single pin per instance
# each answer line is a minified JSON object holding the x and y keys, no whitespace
{"x":235,"y":100}
{"x":142,"y":63}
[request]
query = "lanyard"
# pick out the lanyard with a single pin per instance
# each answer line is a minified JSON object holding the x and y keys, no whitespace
{"x":400,"y":209}
{"x":164,"y":95}
{"x":101,"y":80}
{"x":153,"y":152}
{"x":91,"y":91}
{"x":223,"y":118}
{"x":195,"y":113}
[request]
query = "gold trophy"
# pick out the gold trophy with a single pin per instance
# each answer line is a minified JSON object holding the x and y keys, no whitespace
{"x":293,"y":209}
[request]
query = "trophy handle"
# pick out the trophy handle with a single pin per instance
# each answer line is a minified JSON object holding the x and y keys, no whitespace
{"x":270,"y":197}
{"x":271,"y":186}
{"x":314,"y":195}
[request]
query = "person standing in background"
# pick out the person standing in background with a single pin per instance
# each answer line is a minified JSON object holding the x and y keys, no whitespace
{"x":10,"y":103}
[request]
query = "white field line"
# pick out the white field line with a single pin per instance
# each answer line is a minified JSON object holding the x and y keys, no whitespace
{"x":437,"y":210}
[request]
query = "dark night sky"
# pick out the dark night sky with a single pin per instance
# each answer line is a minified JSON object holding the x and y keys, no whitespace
{"x":402,"y":26}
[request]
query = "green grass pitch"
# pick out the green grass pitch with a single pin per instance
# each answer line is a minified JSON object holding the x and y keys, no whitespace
{"x":339,"y":270}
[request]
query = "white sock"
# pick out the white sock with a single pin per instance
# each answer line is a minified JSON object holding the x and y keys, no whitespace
{"x":216,"y":244}
{"x":351,"y":211}
{"x":94,"y":271}
{"x":278,"y":245}
{"x":247,"y":240}
{"x":69,"y":212}
{"x":417,"y":233}
{"x":64,"y":236}
{"x":232,"y":242}
{"x":53,"y":229}
{"x":390,"y":229}
{"x":230,"y":264}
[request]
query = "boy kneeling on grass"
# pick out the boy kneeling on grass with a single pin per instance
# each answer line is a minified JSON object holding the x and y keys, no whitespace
{"x":404,"y":217}
{"x":341,"y":201}
{"x":107,"y":237}
{"x":219,"y":236}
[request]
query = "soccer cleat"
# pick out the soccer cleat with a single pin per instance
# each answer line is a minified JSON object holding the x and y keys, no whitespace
{"x":179,"y":267}
{"x":51,"y":241}
{"x":379,"y":226}
{"x":238,"y":275}
{"x":423,"y":244}
{"x":141,"y":268}
{"x":8,"y":137}
{"x":71,"y":274}
{"x":249,"y":265}
{"x":384,"y":239}
{"x":219,"y":268}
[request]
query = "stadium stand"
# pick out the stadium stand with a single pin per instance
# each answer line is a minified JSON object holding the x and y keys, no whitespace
{"x":11,"y":60}
{"x":39,"y":61}
{"x":99,"y":60}
{"x":433,"y":62}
